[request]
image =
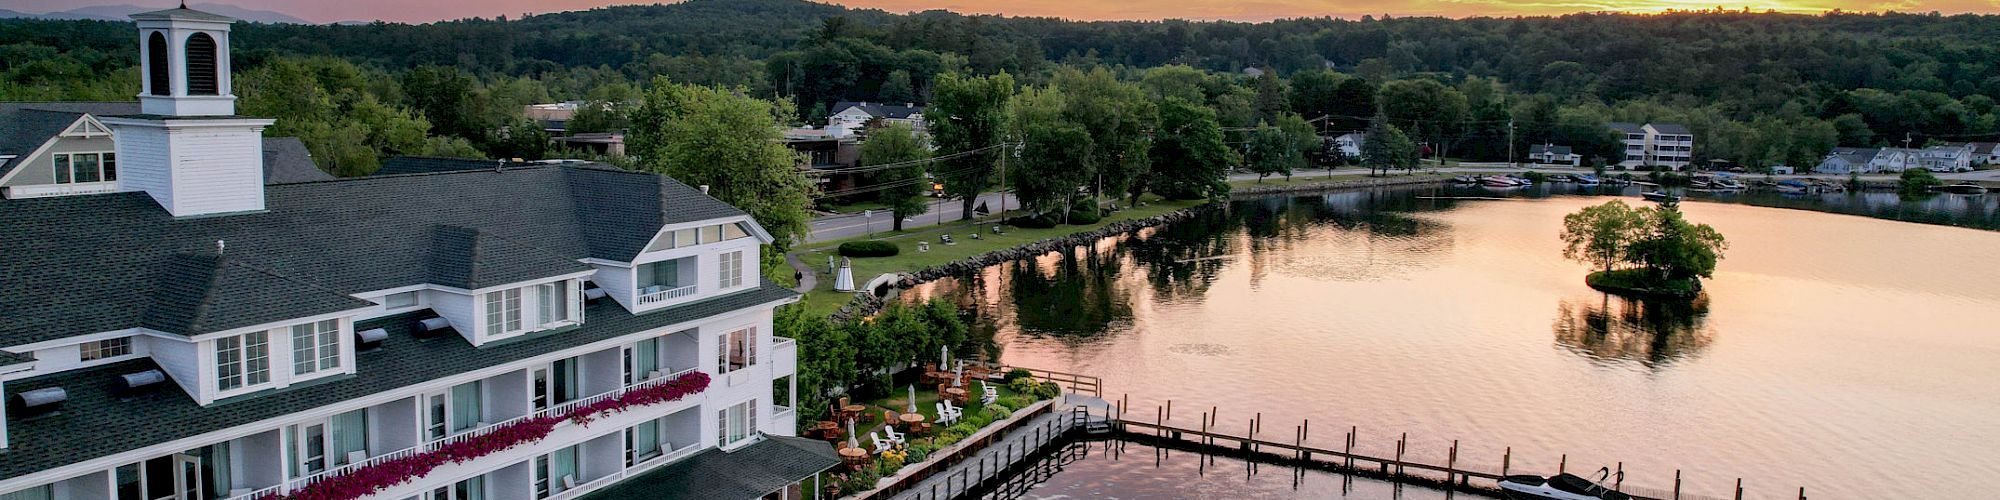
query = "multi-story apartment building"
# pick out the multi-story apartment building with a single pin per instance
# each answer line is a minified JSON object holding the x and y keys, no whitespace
{"x":521,"y":332}
{"x":1655,"y":145}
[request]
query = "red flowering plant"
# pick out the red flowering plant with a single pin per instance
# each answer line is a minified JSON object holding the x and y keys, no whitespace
{"x":376,"y":477}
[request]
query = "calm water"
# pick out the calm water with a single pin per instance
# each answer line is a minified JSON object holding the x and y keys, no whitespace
{"x":1851,"y":355}
{"x":1139,"y":472}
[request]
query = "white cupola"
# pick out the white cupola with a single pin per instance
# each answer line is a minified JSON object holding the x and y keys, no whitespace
{"x":187,"y":148}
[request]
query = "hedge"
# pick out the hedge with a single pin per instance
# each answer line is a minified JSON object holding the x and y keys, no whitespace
{"x":870,"y":248}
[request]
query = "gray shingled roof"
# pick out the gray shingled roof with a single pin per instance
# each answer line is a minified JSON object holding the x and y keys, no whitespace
{"x":749,"y":472}
{"x":402,"y":165}
{"x":469,"y":258}
{"x":206,"y":293}
{"x":77,"y":432}
{"x":1671,"y":128}
{"x":1542,"y":148}
{"x":347,"y":236}
{"x":287,"y":160}
{"x":879,"y":110}
{"x":1629,"y":128}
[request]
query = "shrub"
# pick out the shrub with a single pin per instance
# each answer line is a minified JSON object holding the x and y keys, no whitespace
{"x":919,"y":453}
{"x":947,"y":437}
{"x":1017,"y":374}
{"x":996,"y":413}
{"x":870,"y":248}
{"x":1084,"y":217}
{"x":888,"y":465}
{"x":963,"y":428}
{"x":862,"y":480}
{"x":1032,"y":221}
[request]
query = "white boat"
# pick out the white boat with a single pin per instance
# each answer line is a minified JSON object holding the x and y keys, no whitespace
{"x":1559,"y":487}
{"x":1497,"y":181}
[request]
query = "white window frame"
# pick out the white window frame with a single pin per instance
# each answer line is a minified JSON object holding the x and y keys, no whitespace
{"x":746,"y":414}
{"x":104,"y":349}
{"x":562,"y":293}
{"x":729,"y":270}
{"x":723,"y":345}
{"x":394,"y":301}
{"x":319,"y":353}
{"x":503,"y":312}
{"x":241,"y":351}
{"x":63,"y":166}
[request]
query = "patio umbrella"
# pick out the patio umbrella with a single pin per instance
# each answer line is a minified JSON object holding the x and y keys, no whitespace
{"x":913,"y":399}
{"x":958,"y":375}
{"x":851,"y":442}
{"x":944,"y":357}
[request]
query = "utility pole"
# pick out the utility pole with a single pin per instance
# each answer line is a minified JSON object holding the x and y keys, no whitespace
{"x":1510,"y":143}
{"x":1906,"y":140}
{"x":1003,"y":181}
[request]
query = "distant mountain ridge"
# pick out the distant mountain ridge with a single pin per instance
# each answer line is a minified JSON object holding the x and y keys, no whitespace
{"x":124,"y":12}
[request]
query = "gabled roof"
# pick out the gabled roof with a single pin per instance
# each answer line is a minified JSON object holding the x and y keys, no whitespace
{"x":1670,"y":128}
{"x":286,"y":160}
{"x":1629,"y":128}
{"x":1854,"y":155}
{"x":749,"y":472}
{"x":1545,"y":148}
{"x":77,"y":432}
{"x":205,"y":293}
{"x":469,"y":258}
{"x":880,"y":110}
{"x":25,"y":126}
{"x":1986,"y":148}
{"x":347,"y":236}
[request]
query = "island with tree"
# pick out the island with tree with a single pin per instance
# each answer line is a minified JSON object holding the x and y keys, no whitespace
{"x":1650,"y":251}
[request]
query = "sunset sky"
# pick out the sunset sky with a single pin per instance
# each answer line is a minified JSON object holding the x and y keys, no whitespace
{"x":417,"y":11}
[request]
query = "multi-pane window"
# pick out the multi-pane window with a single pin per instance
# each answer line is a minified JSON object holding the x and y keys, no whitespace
{"x":736,"y":423}
{"x":736,"y":350}
{"x":105,"y":349}
{"x":503,"y":311}
{"x":243,"y":360}
{"x":315,"y":346}
{"x":554,"y":300}
{"x":85,"y":167}
{"x":399,"y":300}
{"x":730,"y":272}
{"x":642,"y":442}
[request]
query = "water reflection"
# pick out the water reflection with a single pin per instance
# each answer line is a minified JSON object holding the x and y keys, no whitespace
{"x":1652,"y":333}
{"x":1076,"y":296}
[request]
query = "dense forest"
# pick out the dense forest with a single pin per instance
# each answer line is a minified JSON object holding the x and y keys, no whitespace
{"x":1757,"y":88}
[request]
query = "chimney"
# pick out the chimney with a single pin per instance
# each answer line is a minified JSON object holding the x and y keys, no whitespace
{"x":704,"y":189}
{"x":189,"y":150}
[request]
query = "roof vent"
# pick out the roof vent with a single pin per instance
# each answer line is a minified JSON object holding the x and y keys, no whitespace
{"x":371,"y":338}
{"x":593,"y":293}
{"x":135,"y":382}
{"x":432,"y":327}
{"x":40,"y":401}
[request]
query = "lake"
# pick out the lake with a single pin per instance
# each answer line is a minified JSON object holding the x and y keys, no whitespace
{"x":1854,"y":356}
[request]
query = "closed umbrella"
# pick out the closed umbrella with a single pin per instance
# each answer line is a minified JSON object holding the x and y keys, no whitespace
{"x":913,"y":399}
{"x":958,"y":375}
{"x":851,"y":442}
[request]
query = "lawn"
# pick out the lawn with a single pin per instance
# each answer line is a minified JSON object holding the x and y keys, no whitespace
{"x":823,"y":300}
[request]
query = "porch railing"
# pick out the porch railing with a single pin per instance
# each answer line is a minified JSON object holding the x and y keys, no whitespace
{"x":667,"y":294}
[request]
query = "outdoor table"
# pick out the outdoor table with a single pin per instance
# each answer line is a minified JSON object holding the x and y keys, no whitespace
{"x":853,"y":457}
{"x":956,"y":394}
{"x":853,"y":411}
{"x":911,"y":421}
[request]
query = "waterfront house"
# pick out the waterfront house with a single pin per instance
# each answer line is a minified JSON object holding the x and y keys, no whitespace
{"x":1844,"y":161}
{"x":529,"y":332}
{"x":62,"y":148}
{"x":1350,"y":144}
{"x":1655,"y":144}
{"x":1892,"y":160}
{"x":1986,"y":153}
{"x":1550,"y":154}
{"x":1946,"y":157}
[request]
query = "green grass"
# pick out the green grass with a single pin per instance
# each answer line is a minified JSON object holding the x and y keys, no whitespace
{"x":823,"y":300}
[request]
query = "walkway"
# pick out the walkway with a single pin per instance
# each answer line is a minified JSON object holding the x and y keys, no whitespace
{"x":807,"y":278}
{"x":1017,"y":445}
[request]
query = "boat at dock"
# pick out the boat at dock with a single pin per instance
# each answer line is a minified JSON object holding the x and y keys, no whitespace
{"x":1793,"y":186}
{"x":1465,"y":179}
{"x":1660,"y":196}
{"x":1559,"y":487}
{"x":1962,"y":188}
{"x":1497,"y":181}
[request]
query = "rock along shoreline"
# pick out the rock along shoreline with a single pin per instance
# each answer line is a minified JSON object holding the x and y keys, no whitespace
{"x":866,"y":303}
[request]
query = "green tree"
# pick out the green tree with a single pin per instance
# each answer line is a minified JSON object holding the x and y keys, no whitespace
{"x":1189,"y":158}
{"x":720,"y":138}
{"x":1176,"y":80}
{"x":899,"y":144}
{"x":1270,"y":96}
{"x":450,"y":99}
{"x":1352,"y":100}
{"x":1054,"y":156}
{"x":1432,"y":110}
{"x":325,"y":102}
{"x":1386,"y":148}
{"x":1672,"y":250}
{"x":967,"y":116}
{"x":1316,"y":93}
{"x":1118,"y":117}
{"x":1601,"y":234}
{"x":1916,"y":182}
{"x":897,"y":87}
{"x":598,"y":116}
{"x":1271,"y":151}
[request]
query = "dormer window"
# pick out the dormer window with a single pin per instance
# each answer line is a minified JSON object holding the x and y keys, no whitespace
{"x":73,"y":168}
{"x":503,"y":312}
{"x":105,"y":349}
{"x":730,"y":271}
{"x":315,"y":347}
{"x":243,"y":360}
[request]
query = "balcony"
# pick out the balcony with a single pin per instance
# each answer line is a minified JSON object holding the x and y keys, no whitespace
{"x":783,"y":417}
{"x":654,"y":294}
{"x":784,"y":357}
{"x":45,"y":190}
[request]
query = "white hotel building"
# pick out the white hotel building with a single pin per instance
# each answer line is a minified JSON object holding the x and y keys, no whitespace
{"x":197,"y":332}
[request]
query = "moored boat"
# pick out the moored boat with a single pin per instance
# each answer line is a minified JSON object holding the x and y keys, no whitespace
{"x":1660,"y":196}
{"x":1497,"y":181}
{"x":1464,"y":179}
{"x":1962,"y":188}
{"x":1588,"y":180}
{"x":1793,"y":186}
{"x":1559,"y":487}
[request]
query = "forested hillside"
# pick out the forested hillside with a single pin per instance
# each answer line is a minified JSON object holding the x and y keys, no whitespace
{"x":1756,"y":88}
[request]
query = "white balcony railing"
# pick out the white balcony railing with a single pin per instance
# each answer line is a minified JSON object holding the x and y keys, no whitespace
{"x":263,"y":493}
{"x":38,"y":191}
{"x":664,"y":295}
{"x":435,"y":445}
{"x":785,"y":357}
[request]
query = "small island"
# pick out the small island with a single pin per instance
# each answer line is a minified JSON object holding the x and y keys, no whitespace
{"x":1645,"y":252}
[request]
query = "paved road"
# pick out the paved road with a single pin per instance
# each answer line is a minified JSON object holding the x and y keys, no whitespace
{"x":833,"y":227}
{"x":1496,"y":167}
